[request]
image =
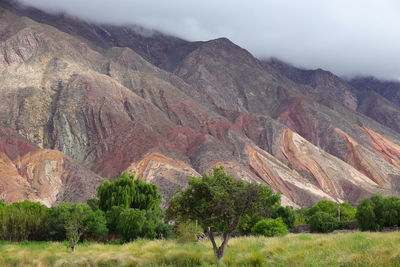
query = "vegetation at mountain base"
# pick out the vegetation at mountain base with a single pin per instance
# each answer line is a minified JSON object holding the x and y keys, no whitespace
{"x":215,"y":204}
{"x":218,"y":202}
{"x":270,"y":227}
{"x":350,"y":249}
{"x":22,"y":221}
{"x":376,"y":212}
{"x":326,"y":216}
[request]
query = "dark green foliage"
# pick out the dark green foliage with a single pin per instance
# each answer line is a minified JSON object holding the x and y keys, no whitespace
{"x":135,"y":223}
{"x":347,"y":211}
{"x":93,"y":203}
{"x":366,"y":218}
{"x":95,"y":224}
{"x":323,"y":222}
{"x":375,"y":213}
{"x":286,"y":213}
{"x":270,"y":227}
{"x":164,"y":230}
{"x":247,"y":222}
{"x":112,"y":217}
{"x":57,"y":219}
{"x":127,"y":192}
{"x":326,"y":206}
{"x":92,"y":222}
{"x":146,"y":197}
{"x":22,"y":221}
{"x":218,"y":202}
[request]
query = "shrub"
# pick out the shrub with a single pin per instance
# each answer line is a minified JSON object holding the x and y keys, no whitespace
{"x":247,"y":222}
{"x":323,"y":222}
{"x":112,"y":217}
{"x":270,"y":227}
{"x":286,"y":213}
{"x":93,"y":223}
{"x":135,"y":223}
{"x":376,"y":212}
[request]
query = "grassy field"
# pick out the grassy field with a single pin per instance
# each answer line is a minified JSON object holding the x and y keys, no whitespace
{"x":353,"y":249}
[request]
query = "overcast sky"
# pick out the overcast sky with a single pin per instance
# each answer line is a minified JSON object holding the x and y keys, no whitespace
{"x":347,"y":37}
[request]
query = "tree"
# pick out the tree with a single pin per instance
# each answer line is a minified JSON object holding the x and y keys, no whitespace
{"x":218,"y":203}
{"x":366,"y":215}
{"x":61,"y":217}
{"x":323,"y":222}
{"x":376,"y":212}
{"x":127,"y":192}
{"x":82,"y":221}
{"x":347,"y":212}
{"x":112,"y":217}
{"x":287,"y":214}
{"x":270,"y":227}
{"x":74,"y":229}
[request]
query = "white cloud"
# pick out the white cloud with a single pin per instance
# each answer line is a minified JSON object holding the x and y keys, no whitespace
{"x":346,"y":37}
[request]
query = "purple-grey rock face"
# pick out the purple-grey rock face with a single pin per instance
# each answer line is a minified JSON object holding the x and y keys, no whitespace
{"x":79,"y":102}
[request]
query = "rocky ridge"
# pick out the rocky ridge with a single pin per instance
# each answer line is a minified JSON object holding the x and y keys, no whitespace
{"x":82,"y":101}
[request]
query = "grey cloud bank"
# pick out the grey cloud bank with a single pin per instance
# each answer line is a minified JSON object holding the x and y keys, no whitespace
{"x":347,"y":37}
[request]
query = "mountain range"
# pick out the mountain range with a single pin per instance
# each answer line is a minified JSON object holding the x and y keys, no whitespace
{"x":80,"y":102}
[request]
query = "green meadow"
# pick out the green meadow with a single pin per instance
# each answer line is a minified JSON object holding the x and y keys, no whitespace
{"x":346,"y":249}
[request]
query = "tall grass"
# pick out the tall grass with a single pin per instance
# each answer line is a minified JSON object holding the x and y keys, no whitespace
{"x":353,"y":249}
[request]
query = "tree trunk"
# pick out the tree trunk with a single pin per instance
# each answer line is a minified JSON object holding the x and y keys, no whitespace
{"x":215,"y":248}
{"x":222,"y":248}
{"x":219,"y":252}
{"x":72,"y":249}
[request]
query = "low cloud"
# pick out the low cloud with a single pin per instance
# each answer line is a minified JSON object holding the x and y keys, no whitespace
{"x":358,"y":37}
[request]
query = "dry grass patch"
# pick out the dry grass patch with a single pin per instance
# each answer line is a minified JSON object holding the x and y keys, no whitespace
{"x":353,"y":249}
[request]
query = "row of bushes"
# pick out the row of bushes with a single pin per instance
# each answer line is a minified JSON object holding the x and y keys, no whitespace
{"x":127,"y":207}
{"x":326,"y":216}
{"x":371,"y":214}
{"x":376,"y":212}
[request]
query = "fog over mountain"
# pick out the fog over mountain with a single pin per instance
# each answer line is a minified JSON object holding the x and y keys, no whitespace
{"x":346,"y":37}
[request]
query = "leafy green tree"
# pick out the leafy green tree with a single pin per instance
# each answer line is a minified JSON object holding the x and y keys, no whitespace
{"x":366,"y":215}
{"x":391,"y":212}
{"x":376,"y":212}
{"x":326,"y":206}
{"x":286,"y":213}
{"x":74,"y":229}
{"x":347,"y":211}
{"x":218,"y":203}
{"x":127,"y":192}
{"x":92,"y":222}
{"x":57,"y":219}
{"x":270,"y":227}
{"x":323,"y":222}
